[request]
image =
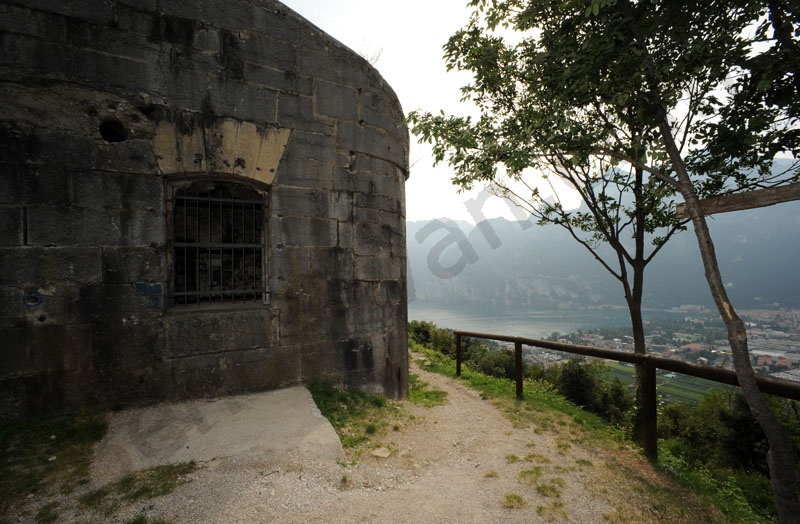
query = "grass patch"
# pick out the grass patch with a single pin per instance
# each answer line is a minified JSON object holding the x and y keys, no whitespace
{"x":142,"y":519}
{"x":551,"y":489}
{"x":46,"y":454}
{"x":541,"y":407}
{"x":146,"y":484}
{"x":530,"y":476}
{"x":536,"y":457}
{"x":553,"y":512}
{"x":47,"y":514}
{"x":727,"y":496}
{"x":358,"y":417}
{"x":513,"y":501}
{"x":421,"y":395}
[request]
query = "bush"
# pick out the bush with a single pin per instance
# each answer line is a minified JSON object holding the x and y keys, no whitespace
{"x":614,"y":402}
{"x":497,"y":363}
{"x":428,"y":335}
{"x":578,"y":381}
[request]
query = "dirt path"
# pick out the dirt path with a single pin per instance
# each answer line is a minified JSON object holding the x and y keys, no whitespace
{"x":450,"y":463}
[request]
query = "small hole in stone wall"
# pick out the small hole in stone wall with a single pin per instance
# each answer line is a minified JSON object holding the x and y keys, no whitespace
{"x":42,"y":318}
{"x":113,"y":130}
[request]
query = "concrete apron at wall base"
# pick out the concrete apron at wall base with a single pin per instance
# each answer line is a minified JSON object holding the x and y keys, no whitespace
{"x":280,"y":425}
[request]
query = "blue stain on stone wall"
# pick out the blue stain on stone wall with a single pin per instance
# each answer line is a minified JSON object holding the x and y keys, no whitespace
{"x":32,"y":298}
{"x":153,"y":293}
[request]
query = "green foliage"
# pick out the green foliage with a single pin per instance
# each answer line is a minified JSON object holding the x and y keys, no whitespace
{"x":578,"y":381}
{"x":723,"y":493}
{"x":146,"y":484}
{"x":47,"y":514}
{"x":419,"y":393}
{"x":358,"y":417}
{"x":497,"y":363}
{"x":42,"y":453}
{"x":719,"y":437}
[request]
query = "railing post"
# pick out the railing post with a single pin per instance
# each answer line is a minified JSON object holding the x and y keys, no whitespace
{"x":649,"y":410}
{"x":518,"y":367}
{"x":458,"y":354}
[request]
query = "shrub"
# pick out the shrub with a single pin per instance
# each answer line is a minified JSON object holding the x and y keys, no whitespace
{"x":578,"y":381}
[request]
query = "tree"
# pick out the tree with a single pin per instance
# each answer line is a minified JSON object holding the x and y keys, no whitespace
{"x":646,"y":99}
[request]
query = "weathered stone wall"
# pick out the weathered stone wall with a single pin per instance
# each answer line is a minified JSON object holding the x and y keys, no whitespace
{"x":108,"y":106}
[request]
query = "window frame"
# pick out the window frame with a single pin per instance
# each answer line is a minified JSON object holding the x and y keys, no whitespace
{"x":180,"y":191}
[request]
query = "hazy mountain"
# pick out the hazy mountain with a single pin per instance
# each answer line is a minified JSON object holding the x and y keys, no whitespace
{"x":500,"y":262}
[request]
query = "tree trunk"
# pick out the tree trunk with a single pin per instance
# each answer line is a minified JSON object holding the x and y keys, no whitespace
{"x":781,"y":457}
{"x":644,"y":424}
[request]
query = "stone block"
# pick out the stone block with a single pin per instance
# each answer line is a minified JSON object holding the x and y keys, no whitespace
{"x":307,"y":232}
{"x":280,"y":80}
{"x":296,"y":171}
{"x":16,"y":19}
{"x":377,"y":110}
{"x":301,"y":202}
{"x":362,"y":139}
{"x":287,"y":264}
{"x":93,"y":10}
{"x":103,"y":304}
{"x":21,"y":184}
{"x":43,"y":349}
{"x":207,"y":332}
{"x":12,"y":226}
{"x":337,"y":101}
{"x":319,"y":361}
{"x":309,"y":146}
{"x":332,"y":263}
{"x":126,"y":265}
{"x":136,"y":17}
{"x":129,"y":343}
{"x":234,"y":372}
{"x":43,"y":266}
{"x":358,"y":354}
{"x":333,"y":65}
{"x":263,"y":49}
{"x":347,"y":235}
{"x":372,"y":239}
{"x":47,"y":305}
{"x":131,"y":156}
{"x":377,"y":268}
{"x":297,"y":112}
{"x":398,"y":150}
{"x":75,"y":226}
{"x":248,"y":102}
{"x":342,"y":208}
{"x":370,"y":201}
{"x":352,"y":182}
{"x":100,"y":190}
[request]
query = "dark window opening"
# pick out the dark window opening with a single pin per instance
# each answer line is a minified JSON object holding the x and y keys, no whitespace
{"x":218,"y":244}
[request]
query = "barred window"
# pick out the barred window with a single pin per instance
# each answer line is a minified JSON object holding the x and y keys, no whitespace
{"x":217,"y":244}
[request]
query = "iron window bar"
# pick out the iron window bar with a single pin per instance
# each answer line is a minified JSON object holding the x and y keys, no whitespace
{"x":218,"y":249}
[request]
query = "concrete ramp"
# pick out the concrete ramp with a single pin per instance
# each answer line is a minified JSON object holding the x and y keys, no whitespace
{"x":277,"y":424}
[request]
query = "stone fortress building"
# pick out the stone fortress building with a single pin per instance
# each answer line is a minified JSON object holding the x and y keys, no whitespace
{"x":197,"y":198}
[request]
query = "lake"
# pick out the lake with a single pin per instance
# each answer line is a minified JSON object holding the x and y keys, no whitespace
{"x":525,"y":323}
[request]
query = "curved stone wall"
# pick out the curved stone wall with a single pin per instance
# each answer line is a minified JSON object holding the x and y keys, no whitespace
{"x":111,"y":111}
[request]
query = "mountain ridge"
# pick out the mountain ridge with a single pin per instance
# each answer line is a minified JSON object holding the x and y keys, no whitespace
{"x":523,"y":264}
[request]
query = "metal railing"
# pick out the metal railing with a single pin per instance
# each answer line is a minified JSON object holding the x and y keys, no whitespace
{"x":646,"y":367}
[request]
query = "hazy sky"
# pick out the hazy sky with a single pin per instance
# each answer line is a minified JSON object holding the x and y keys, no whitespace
{"x":408,"y":37}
